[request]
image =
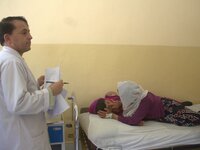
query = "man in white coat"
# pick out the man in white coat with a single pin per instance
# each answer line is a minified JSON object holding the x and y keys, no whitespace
{"x":22,"y":103}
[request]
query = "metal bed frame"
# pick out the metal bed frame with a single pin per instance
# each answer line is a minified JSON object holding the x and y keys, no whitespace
{"x":75,"y":120}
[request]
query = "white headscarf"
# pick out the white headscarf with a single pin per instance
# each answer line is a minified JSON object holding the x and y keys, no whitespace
{"x":131,"y":95}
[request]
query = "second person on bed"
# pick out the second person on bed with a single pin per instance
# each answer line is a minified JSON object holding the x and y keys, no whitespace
{"x":139,"y":105}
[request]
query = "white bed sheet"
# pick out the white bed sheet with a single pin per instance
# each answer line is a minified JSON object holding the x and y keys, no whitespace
{"x":111,"y":134}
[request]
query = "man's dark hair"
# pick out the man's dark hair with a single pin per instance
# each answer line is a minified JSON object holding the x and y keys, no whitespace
{"x":7,"y":26}
{"x":100,"y":105}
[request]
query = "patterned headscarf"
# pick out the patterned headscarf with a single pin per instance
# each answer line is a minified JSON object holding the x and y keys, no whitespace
{"x":112,"y":96}
{"x":108,"y":96}
{"x":131,"y":94}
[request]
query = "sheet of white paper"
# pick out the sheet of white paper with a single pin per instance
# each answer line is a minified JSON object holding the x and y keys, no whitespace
{"x":61,"y":105}
{"x":52,"y":74}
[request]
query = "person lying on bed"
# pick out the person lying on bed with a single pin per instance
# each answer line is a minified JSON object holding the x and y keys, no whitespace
{"x":111,"y":100}
{"x":139,"y":104}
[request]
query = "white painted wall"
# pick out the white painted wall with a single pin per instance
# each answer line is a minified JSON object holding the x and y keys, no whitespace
{"x":134,"y":22}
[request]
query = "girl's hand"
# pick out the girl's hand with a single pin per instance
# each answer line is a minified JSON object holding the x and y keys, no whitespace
{"x":102,"y":113}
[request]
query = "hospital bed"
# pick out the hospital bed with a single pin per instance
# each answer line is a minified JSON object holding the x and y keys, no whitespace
{"x":109,"y":134}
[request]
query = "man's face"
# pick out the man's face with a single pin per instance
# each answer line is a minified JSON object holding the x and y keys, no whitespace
{"x":113,"y":105}
{"x":20,"y":39}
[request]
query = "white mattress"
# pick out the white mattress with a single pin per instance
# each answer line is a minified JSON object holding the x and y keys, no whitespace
{"x":112,"y":134}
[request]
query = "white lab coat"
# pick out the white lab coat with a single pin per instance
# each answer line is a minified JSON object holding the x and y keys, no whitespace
{"x":22,"y":105}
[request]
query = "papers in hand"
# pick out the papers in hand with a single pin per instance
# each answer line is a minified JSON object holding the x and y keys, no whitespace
{"x":53,"y":74}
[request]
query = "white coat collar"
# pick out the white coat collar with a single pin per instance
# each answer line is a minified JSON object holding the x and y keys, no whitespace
{"x":12,"y":51}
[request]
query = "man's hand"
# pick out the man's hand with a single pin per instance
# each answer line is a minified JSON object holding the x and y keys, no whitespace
{"x":41,"y":80}
{"x":56,"y":87}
